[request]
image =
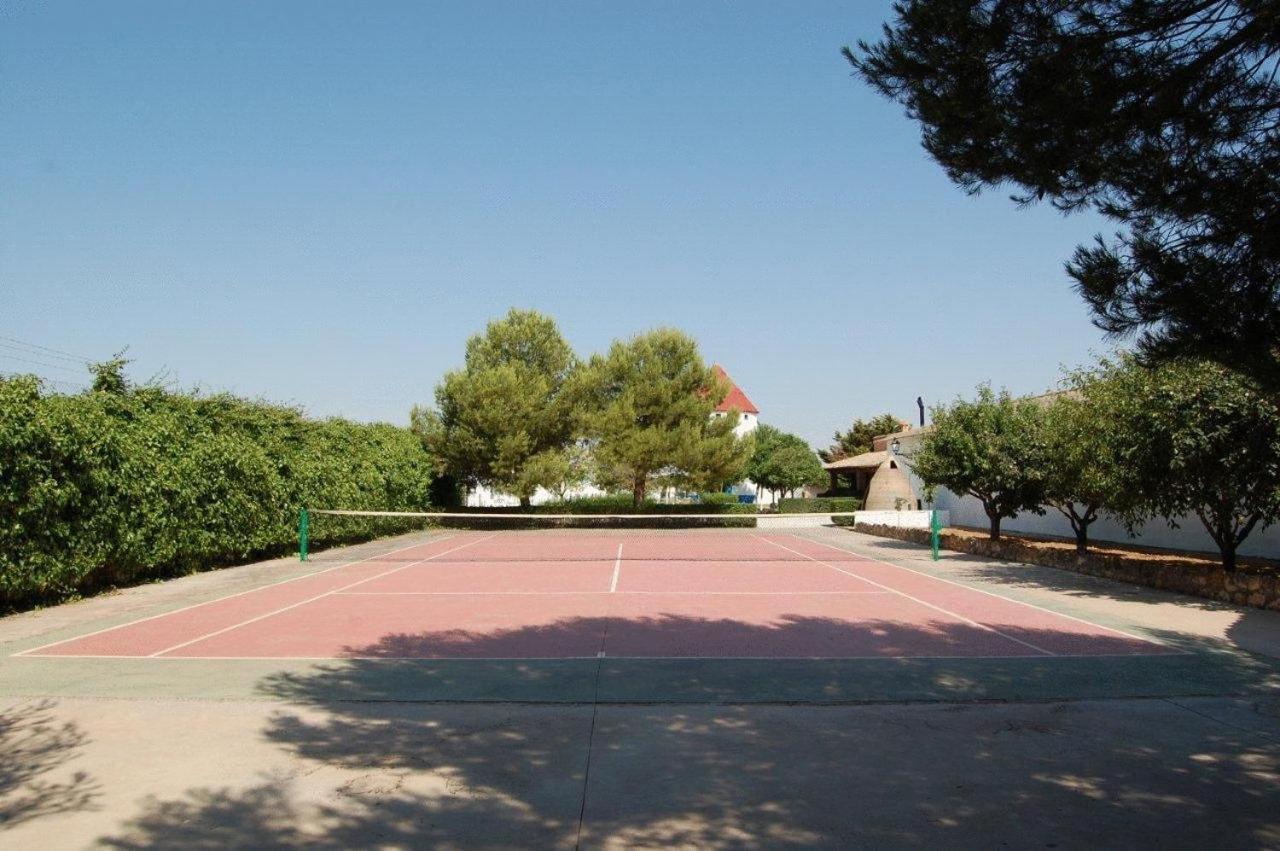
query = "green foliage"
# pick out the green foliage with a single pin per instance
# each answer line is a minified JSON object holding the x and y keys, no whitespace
{"x":507,"y":406}
{"x":600,"y":511}
{"x":121,"y":484}
{"x":819,"y":505}
{"x":648,"y":413}
{"x":991,"y":448}
{"x":782,"y":462}
{"x":709,"y":503}
{"x":108,"y":376}
{"x":1084,"y":441}
{"x":1200,"y":439}
{"x":1161,"y":116}
{"x":857,"y":439}
{"x":556,"y":470}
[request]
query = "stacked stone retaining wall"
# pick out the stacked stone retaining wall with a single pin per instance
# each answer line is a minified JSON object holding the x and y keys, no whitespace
{"x":1245,"y":587}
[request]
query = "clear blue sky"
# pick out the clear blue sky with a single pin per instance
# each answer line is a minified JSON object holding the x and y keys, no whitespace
{"x":318,"y":202}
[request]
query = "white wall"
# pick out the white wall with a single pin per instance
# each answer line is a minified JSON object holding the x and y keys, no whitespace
{"x":483,"y":497}
{"x":901,"y":519}
{"x":967,"y":511}
{"x":1190,"y":534}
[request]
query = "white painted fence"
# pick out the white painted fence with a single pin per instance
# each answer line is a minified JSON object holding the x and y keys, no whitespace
{"x":901,"y":519}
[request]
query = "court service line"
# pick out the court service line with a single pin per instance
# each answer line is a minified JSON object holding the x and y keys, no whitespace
{"x":187,"y":659}
{"x":617,"y":570}
{"x":313,"y":599}
{"x":601,"y":593}
{"x":914,"y":599}
{"x":231,"y":596}
{"x":989,"y":593}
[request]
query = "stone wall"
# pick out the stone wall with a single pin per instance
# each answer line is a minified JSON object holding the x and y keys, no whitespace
{"x":1199,"y":577}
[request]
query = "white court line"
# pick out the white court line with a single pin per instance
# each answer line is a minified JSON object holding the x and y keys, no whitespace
{"x":597,"y":593}
{"x":991,"y":594}
{"x":909,"y":597}
{"x":617,"y":570}
{"x":313,"y":599}
{"x":1023,"y":657}
{"x":229,"y":597}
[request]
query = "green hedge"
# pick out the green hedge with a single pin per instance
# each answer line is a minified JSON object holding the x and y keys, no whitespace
{"x":516,"y":517}
{"x":102,"y":489}
{"x":618,"y":504}
{"x":817,"y":505}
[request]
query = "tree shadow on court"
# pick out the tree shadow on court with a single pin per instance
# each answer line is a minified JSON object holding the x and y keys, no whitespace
{"x":33,"y":746}
{"x":372,"y":765}
{"x":1250,"y":629}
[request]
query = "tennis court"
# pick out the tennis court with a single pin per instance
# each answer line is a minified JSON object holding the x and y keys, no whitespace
{"x":589,"y":594}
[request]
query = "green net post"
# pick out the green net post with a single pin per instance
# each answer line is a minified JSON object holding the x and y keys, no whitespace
{"x":935,"y":529}
{"x":304,"y":528}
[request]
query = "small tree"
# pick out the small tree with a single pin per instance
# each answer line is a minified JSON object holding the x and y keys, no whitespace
{"x":505,"y":407}
{"x":557,"y":470}
{"x":1201,"y":439}
{"x":791,"y":467}
{"x":782,"y":462}
{"x":857,"y":439}
{"x":1084,"y":473}
{"x":991,"y":449}
{"x":648,"y":410}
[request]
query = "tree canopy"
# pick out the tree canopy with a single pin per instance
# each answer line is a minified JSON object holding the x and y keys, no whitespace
{"x":1200,"y":439}
{"x":506,"y":408}
{"x":857,"y":438}
{"x":782,"y":463}
{"x":649,"y":416}
{"x":1164,"y":117}
{"x":990,"y":448}
{"x":1085,"y":472}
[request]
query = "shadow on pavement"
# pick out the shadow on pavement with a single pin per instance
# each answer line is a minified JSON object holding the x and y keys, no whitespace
{"x":33,"y":745}
{"x":390,"y":772}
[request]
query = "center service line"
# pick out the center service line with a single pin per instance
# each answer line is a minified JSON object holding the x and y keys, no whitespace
{"x":617,"y":569}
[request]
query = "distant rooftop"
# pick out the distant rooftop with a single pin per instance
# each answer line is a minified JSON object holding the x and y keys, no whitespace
{"x":736,"y":400}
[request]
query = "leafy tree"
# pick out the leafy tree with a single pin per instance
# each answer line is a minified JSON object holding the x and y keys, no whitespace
{"x":557,"y":470}
{"x":1202,"y":440}
{"x":782,"y":462}
{"x":791,"y":467}
{"x":857,"y":439}
{"x":1164,"y":117}
{"x":1085,"y":472}
{"x":990,"y":448}
{"x":507,"y":406}
{"x":650,"y":401}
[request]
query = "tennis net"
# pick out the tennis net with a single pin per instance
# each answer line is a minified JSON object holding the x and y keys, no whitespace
{"x":513,"y":535}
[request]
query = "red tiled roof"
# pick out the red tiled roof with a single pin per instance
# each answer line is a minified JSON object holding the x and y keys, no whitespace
{"x":736,"y":399}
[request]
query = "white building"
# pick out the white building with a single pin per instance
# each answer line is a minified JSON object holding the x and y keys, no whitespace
{"x":736,"y":400}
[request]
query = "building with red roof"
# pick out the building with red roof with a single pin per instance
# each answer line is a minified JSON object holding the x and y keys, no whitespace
{"x":736,"y":400}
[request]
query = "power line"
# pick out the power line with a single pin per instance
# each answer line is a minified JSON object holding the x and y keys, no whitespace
{"x":33,"y":352}
{"x":48,"y":350}
{"x":41,"y":363}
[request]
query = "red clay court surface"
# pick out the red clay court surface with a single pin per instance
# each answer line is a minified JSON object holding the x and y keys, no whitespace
{"x":541,"y":595}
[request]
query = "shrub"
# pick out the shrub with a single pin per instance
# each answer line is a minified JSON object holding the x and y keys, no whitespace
{"x":106,"y":488}
{"x":620,"y":504}
{"x":818,"y":505}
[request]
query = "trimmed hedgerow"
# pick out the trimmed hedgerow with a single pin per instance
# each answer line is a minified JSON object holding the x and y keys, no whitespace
{"x":816,"y":505}
{"x":101,"y":489}
{"x":596,"y":513}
